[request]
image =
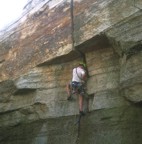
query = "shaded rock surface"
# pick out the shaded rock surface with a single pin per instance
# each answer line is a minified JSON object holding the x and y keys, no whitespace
{"x":36,"y":62}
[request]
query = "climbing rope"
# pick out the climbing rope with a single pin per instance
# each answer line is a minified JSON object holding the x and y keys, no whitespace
{"x":78,"y":129}
{"x":72,"y":23}
{"x":78,"y":121}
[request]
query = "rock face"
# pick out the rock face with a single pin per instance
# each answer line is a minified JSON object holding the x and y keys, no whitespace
{"x":36,"y":61}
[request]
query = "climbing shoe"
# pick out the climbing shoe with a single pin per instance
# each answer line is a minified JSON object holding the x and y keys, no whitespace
{"x":69,"y":98}
{"x":81,"y":113}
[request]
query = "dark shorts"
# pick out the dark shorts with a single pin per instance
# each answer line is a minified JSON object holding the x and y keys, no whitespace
{"x":78,"y":87}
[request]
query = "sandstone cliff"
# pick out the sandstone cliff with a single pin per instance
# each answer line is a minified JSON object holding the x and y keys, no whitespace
{"x":37,"y":55}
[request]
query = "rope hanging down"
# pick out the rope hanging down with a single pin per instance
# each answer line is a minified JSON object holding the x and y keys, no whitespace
{"x":82,"y":55}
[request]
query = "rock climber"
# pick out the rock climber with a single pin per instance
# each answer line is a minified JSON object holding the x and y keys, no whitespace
{"x":77,"y":85}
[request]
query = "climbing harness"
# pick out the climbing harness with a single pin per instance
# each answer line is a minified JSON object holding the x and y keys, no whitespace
{"x":75,"y":88}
